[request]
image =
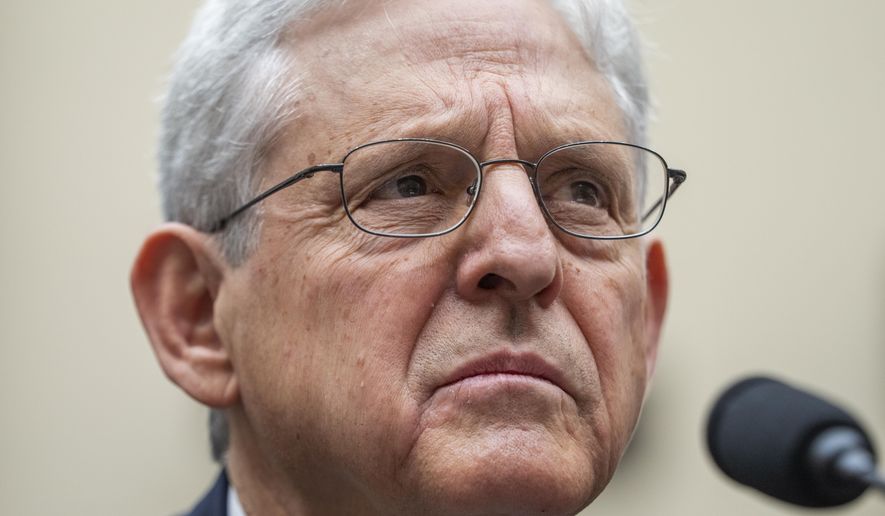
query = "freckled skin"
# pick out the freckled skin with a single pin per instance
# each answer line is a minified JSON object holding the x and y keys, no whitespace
{"x":341,"y":340}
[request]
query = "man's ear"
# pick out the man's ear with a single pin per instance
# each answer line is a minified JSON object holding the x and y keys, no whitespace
{"x":175,"y":281}
{"x":657,"y":289}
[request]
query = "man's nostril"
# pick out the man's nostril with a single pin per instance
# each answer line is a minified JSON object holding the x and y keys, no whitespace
{"x":490,"y":281}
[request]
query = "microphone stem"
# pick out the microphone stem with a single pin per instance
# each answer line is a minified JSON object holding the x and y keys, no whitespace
{"x":860,"y":465}
{"x":875,"y":479}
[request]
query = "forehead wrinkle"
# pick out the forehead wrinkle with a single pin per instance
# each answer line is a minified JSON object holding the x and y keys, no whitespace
{"x":466,"y":49}
{"x":471,"y":47}
{"x":541,"y":130}
{"x":421,"y":87}
{"x":439,"y":102}
{"x":504,"y":58}
{"x":389,"y":96}
{"x":586,"y":111}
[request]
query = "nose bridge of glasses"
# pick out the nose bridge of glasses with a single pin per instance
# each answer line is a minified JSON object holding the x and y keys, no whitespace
{"x":528,"y":168}
{"x":527,"y":165}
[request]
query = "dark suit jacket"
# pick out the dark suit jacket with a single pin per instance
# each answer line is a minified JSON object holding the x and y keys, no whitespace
{"x":215,"y":501}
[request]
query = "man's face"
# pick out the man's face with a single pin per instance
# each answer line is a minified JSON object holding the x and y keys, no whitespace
{"x":497,"y":368}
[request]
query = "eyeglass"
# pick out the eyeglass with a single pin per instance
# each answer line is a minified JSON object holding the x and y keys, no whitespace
{"x":417,"y":187}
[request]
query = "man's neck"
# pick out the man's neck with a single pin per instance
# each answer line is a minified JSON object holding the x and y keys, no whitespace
{"x":263,"y":489}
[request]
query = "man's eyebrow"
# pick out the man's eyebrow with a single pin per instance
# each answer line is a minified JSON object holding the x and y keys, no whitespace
{"x":533,"y":140}
{"x":463,"y":127}
{"x":568,"y":119}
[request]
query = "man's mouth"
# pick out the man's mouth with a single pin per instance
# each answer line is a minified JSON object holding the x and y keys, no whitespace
{"x":506,"y":366}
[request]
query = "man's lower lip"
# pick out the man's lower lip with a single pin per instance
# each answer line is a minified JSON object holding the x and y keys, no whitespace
{"x":500,"y":380}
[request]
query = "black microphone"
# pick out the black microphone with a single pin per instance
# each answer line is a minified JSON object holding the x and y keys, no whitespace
{"x":790,"y":444}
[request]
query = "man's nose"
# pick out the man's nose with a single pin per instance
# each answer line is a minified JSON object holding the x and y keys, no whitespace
{"x":510,"y":251}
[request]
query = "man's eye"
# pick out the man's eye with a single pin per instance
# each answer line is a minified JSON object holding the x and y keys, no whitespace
{"x":403,"y":187}
{"x":411,"y":186}
{"x":585,"y":192}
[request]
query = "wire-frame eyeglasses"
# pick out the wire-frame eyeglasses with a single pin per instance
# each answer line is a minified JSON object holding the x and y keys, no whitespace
{"x":418,"y":187}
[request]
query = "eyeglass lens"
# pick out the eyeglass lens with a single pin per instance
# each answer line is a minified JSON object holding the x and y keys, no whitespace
{"x":409,"y":187}
{"x":603,"y":189}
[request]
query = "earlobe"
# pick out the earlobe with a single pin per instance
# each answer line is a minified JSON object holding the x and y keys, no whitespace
{"x":175,"y":282}
{"x":657,"y":291}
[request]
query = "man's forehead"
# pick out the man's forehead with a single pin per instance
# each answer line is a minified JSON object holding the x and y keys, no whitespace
{"x":405,"y":68}
{"x":503,"y":31}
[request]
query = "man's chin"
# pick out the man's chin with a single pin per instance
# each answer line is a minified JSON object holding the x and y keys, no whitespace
{"x":508,"y":470}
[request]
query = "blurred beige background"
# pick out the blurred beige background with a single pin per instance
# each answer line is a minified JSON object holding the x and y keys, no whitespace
{"x":776,"y":245}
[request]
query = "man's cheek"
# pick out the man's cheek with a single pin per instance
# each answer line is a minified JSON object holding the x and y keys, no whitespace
{"x":384,"y":305}
{"x":605,"y":307}
{"x":368,"y":417}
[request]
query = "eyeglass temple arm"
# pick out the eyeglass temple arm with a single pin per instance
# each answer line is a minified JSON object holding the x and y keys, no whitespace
{"x":678,"y":177}
{"x":304,"y":174}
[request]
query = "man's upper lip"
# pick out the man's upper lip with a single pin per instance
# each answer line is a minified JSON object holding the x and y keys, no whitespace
{"x":507,"y":362}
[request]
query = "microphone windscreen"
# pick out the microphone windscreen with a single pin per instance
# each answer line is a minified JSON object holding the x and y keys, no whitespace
{"x":759,"y":433}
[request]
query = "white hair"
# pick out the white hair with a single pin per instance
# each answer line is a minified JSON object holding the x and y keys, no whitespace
{"x":607,"y":33}
{"x":234,"y":88}
{"x":231,"y":92}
